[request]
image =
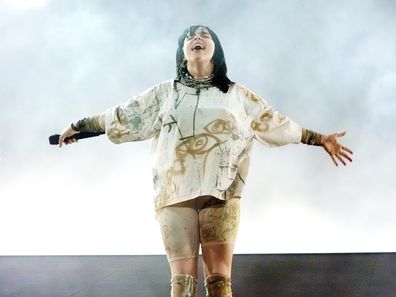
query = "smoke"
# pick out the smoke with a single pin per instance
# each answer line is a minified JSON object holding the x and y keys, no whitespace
{"x":327,"y":65}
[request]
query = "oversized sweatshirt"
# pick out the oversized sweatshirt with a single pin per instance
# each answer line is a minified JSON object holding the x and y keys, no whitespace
{"x":201,"y":138}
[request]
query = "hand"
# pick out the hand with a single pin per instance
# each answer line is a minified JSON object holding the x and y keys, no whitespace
{"x":335,"y":149}
{"x":67,"y":132}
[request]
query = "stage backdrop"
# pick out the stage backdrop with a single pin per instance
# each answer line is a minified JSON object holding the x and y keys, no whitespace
{"x":328,"y":65}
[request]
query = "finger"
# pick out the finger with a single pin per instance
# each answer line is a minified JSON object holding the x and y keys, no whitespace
{"x":60,"y":141}
{"x":331,"y":155}
{"x":334,"y":160}
{"x":340,"y":134}
{"x":346,"y":156}
{"x":341,"y":160}
{"x":347,"y":149}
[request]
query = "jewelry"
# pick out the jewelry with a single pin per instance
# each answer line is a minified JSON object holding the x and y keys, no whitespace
{"x":74,"y":127}
{"x":310,"y":137}
{"x":90,"y":124}
{"x":198,"y":83}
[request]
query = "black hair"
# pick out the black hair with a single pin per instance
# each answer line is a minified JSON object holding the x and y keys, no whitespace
{"x":220,"y":79}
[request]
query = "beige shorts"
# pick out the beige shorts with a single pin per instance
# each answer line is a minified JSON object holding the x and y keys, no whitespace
{"x":201,"y":221}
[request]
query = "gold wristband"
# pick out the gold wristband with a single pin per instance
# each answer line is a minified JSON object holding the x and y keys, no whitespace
{"x":310,"y":137}
{"x":88,"y":125}
{"x":74,"y":127}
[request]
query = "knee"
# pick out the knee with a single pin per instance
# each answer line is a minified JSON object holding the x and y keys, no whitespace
{"x":188,"y":266}
{"x":218,"y":259}
{"x":218,"y":285}
{"x":218,"y":268}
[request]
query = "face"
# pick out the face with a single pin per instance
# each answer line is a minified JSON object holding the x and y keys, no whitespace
{"x":199,"y":46}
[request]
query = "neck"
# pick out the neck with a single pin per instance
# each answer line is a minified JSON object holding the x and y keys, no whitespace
{"x":200,"y":70}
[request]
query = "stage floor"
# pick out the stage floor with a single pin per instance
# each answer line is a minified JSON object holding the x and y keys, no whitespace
{"x":284,"y":275}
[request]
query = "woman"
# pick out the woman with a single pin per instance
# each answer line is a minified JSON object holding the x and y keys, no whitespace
{"x":202,"y":126}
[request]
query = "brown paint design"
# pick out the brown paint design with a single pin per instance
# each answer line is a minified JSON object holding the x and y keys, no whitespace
{"x":219,"y":223}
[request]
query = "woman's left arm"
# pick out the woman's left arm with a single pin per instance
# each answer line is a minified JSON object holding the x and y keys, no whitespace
{"x":274,"y":129}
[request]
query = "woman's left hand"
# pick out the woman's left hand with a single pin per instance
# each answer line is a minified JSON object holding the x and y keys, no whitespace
{"x":335,"y":149}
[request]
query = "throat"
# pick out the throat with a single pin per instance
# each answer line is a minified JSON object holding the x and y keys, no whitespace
{"x":200,"y":70}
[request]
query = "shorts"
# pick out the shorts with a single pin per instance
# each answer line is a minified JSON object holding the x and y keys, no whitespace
{"x":201,"y":221}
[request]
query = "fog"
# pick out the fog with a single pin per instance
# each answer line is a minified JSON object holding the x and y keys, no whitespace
{"x":330,"y":66}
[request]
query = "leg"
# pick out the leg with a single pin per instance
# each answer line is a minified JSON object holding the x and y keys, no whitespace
{"x":183,"y":285}
{"x":218,"y":229}
{"x":217,"y":264}
{"x":217,"y":259}
{"x":179,"y":228}
{"x":184,"y":266}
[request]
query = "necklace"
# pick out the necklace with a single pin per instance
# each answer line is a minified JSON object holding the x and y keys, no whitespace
{"x":199,"y":83}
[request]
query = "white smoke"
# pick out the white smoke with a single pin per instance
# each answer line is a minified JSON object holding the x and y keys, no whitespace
{"x":328,"y":65}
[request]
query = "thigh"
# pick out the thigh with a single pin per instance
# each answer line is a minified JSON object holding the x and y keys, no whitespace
{"x":180,"y":232}
{"x":219,"y":222}
{"x":218,"y":231}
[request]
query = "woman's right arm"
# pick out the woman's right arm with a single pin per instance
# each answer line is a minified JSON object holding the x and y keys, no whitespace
{"x":92,"y":124}
{"x":135,"y":120}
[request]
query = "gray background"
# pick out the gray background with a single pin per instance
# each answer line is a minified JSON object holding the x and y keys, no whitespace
{"x":324,"y":275}
{"x":328,"y":65}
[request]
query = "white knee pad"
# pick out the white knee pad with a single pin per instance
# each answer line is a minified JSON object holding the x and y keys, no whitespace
{"x":183,"y":285}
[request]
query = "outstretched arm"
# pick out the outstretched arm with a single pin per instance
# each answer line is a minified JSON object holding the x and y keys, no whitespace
{"x":134,"y":120}
{"x":331,"y":145}
{"x":92,"y":124}
{"x":275,"y":129}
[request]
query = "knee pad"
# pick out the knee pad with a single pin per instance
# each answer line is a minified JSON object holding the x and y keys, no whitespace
{"x":183,"y":285}
{"x":218,"y":285}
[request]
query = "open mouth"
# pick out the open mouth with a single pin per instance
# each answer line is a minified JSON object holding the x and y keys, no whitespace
{"x":197,"y":47}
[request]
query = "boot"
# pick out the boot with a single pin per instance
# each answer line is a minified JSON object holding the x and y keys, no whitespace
{"x":183,"y":285}
{"x":218,"y":285}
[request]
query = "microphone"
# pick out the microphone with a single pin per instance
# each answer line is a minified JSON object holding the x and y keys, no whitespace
{"x":54,"y":139}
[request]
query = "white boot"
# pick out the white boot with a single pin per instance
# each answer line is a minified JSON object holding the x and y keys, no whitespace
{"x":183,"y":285}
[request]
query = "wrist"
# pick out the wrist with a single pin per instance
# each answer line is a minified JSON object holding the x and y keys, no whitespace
{"x":312,"y":138}
{"x":91,"y":124}
{"x":75,"y":127}
{"x":322,"y":139}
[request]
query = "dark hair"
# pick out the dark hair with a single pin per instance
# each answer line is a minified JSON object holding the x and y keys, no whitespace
{"x":220,"y":79}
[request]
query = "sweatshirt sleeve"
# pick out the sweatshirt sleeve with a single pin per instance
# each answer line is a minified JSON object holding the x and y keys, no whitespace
{"x":138,"y":118}
{"x":267,"y":125}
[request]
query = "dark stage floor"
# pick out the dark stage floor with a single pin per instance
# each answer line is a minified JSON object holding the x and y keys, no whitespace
{"x":299,"y":275}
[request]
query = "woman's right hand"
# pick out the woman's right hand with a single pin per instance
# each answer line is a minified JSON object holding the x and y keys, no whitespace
{"x":67,"y":132}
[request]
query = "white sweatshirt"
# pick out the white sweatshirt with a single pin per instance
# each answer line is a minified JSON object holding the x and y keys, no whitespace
{"x":201,"y":138}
